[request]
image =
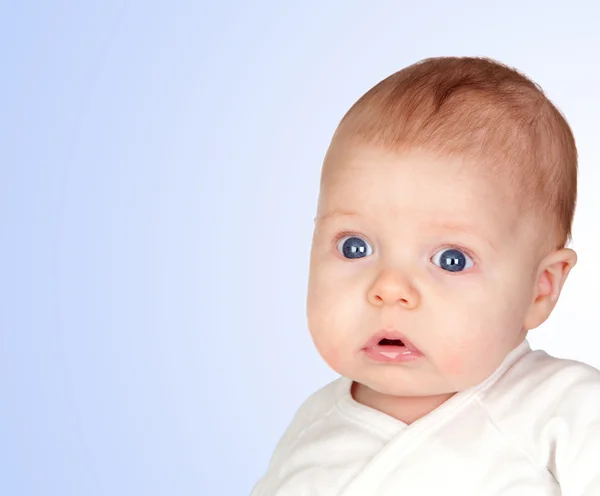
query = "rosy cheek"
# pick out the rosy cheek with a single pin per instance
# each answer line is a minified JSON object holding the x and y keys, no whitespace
{"x":457,"y":359}
{"x":334,"y":360}
{"x":454,"y":364}
{"x":329,"y":351}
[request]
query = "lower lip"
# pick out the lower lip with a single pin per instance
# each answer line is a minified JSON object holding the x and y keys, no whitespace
{"x":392,"y":354}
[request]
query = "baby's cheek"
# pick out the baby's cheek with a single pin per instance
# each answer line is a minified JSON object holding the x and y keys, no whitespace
{"x":468,"y":367}
{"x":329,"y":329}
{"x":452,"y":348}
{"x":335,"y":360}
{"x":331,"y":341}
{"x":454,"y":365}
{"x":329,"y":350}
{"x":459,"y":361}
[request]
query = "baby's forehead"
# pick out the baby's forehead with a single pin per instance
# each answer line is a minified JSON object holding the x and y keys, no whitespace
{"x":411,"y":179}
{"x":416,"y":190}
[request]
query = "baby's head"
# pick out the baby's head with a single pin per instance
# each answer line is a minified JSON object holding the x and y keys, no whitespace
{"x":447,"y":197}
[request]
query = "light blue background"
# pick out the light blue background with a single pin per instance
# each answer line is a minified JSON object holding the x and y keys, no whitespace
{"x":160,"y":168}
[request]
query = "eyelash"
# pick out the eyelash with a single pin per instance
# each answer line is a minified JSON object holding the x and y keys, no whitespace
{"x":345,"y":234}
{"x":466,"y":251}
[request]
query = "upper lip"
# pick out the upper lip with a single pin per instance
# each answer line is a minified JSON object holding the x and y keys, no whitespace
{"x":389,"y":334}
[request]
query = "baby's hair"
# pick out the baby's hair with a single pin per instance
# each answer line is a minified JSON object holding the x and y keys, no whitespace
{"x":479,"y":109}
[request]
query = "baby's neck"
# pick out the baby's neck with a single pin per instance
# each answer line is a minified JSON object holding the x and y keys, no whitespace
{"x":407,"y":409}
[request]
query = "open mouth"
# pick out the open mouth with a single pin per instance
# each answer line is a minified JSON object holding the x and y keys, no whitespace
{"x":390,"y":342}
{"x":390,"y":346}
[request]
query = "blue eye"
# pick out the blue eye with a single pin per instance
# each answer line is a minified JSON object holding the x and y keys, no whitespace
{"x":354,"y":247}
{"x":452,"y":260}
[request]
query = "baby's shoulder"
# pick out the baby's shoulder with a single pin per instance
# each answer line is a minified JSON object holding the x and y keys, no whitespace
{"x":313,"y":409}
{"x":320,"y":402}
{"x":540,"y":390}
{"x":541,"y":381}
{"x":544,"y":406}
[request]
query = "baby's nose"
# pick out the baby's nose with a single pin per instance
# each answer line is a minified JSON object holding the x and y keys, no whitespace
{"x":392,"y":288}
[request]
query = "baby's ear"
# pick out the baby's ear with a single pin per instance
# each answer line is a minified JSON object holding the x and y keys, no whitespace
{"x":551,"y":276}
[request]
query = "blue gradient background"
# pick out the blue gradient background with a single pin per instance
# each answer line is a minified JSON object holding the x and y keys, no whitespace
{"x":160,"y":168}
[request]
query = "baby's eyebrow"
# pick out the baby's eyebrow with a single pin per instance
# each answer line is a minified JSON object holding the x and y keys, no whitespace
{"x":468,"y":229}
{"x":453,"y":226}
{"x":336,"y":213}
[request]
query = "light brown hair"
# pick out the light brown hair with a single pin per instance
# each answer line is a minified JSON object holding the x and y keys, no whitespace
{"x":483,"y":110}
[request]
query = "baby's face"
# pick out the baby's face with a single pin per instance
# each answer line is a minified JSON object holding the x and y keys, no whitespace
{"x":429,"y":248}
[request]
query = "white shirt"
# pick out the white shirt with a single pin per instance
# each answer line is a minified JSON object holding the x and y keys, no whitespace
{"x":532,"y":428}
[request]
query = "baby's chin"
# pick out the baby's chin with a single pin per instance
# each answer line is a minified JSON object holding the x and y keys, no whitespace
{"x":397,"y":381}
{"x":402,"y":390}
{"x":405,"y":384}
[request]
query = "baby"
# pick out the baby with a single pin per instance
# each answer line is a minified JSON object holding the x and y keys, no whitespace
{"x":446,"y":203}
